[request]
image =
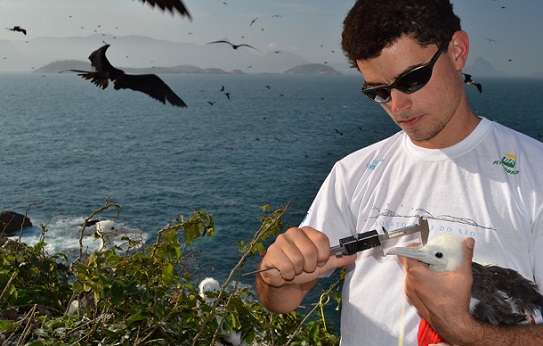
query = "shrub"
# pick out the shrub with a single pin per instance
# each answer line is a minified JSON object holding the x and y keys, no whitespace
{"x":146,"y":295}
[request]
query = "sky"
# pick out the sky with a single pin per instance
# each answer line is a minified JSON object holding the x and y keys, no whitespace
{"x":506,"y":33}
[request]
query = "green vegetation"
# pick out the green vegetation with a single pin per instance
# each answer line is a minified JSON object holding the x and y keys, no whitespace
{"x":146,"y":295}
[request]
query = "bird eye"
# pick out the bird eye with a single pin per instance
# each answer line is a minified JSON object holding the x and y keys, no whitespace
{"x":439,"y":254}
{"x":112,"y":228}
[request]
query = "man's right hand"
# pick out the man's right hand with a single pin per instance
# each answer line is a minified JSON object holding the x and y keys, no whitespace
{"x":299,"y":256}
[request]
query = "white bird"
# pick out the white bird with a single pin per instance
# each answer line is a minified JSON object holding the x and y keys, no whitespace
{"x":108,"y":231}
{"x":206,"y":286}
{"x":210,"y":285}
{"x":498,"y":295}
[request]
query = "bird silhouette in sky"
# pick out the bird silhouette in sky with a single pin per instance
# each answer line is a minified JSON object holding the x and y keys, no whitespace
{"x":17,"y":28}
{"x":235,"y":46}
{"x":170,"y":5}
{"x":468,"y":80}
{"x":149,"y":84}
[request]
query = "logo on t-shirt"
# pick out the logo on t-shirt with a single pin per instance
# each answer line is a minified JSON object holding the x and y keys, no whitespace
{"x":373,"y":164}
{"x":508,"y":162}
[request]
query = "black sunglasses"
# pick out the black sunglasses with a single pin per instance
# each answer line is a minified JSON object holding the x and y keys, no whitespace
{"x":408,"y":82}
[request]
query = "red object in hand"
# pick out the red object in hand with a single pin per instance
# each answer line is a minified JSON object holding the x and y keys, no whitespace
{"x":426,"y":335}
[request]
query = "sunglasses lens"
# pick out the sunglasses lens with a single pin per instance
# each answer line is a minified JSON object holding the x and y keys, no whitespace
{"x":414,"y":80}
{"x":408,"y":83}
{"x":379,"y":95}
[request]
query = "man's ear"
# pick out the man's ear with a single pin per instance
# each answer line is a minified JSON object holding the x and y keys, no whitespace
{"x":460,"y":45}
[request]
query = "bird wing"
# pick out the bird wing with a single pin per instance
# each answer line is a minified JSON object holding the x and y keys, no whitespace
{"x":103,"y":69}
{"x":18,"y":28}
{"x":170,"y":5}
{"x":94,"y":77}
{"x":221,"y":41}
{"x":247,"y":45}
{"x":102,"y":65}
{"x":503,"y":296}
{"x":151,"y":85}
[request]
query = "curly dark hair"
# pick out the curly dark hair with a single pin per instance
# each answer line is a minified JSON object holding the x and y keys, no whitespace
{"x":372,"y":25}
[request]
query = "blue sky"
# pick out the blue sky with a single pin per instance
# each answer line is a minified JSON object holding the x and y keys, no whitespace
{"x":504,"y":32}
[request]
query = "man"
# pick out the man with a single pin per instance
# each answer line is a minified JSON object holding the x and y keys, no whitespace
{"x":463,"y":173}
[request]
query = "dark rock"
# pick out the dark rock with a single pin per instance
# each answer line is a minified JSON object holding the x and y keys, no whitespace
{"x":11,"y":222}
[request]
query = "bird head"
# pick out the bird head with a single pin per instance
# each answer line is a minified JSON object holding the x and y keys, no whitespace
{"x":112,"y":228}
{"x":208,"y":285}
{"x":442,"y":253}
{"x":107,"y":230}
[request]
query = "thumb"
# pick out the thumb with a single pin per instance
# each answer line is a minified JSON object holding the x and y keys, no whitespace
{"x":467,"y":248}
{"x":336,"y":262}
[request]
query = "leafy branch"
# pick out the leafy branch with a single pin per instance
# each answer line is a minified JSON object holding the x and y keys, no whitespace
{"x":145,"y":297}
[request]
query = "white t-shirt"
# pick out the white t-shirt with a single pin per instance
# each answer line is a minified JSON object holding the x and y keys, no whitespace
{"x":489,"y":187}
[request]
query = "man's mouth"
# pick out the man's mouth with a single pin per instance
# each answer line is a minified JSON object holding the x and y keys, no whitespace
{"x":410,"y":123}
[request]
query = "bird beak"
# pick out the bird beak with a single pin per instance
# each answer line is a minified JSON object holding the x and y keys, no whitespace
{"x":415,"y":252}
{"x":129,"y":231}
{"x":121,"y":230}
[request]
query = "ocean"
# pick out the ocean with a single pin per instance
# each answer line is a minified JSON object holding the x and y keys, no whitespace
{"x":66,"y":145}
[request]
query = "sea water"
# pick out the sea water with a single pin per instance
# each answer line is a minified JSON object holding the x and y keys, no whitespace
{"x":67,"y":145}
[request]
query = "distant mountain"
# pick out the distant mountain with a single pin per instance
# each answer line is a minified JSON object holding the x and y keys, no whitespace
{"x":142,"y":52}
{"x":64,"y":65}
{"x":67,"y":65}
{"x":312,"y":69}
{"x":482,"y":68}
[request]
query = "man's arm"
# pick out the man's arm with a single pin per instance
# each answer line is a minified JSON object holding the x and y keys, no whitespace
{"x":299,"y":256}
{"x":443,"y":300}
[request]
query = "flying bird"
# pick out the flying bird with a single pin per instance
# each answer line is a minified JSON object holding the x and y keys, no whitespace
{"x":17,"y":28}
{"x":149,"y":84}
{"x":235,"y":46}
{"x":170,"y":5}
{"x":499,"y":296}
{"x":468,"y":80}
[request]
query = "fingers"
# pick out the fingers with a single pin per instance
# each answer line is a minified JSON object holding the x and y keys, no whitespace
{"x":437,"y":295}
{"x":300,"y":255}
{"x":296,"y":251}
{"x":467,"y":246}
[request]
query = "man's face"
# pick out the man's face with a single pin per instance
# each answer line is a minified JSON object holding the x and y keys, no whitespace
{"x":431,"y":116}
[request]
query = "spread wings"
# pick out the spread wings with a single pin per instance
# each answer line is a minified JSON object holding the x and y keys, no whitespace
{"x":149,"y":84}
{"x":169,"y":5}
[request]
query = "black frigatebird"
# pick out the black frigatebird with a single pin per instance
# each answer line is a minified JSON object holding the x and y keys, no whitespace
{"x":468,"y":80}
{"x":149,"y":84}
{"x":499,"y":296}
{"x":17,"y":28}
{"x":235,"y":46}
{"x":169,"y":5}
